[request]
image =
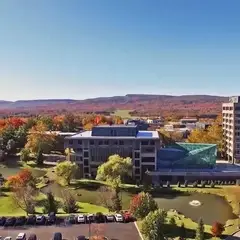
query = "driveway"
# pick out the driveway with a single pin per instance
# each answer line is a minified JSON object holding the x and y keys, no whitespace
{"x":114,"y":231}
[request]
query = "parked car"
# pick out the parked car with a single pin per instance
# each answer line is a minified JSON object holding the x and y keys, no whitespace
{"x":99,"y":218}
{"x":90,"y":218}
{"x":57,"y":236}
{"x":31,"y":220}
{"x":20,"y":221}
{"x":71,"y":219}
{"x":119,"y":217}
{"x":32,"y":237}
{"x":2,"y":221}
{"x":8,"y":238}
{"x":21,"y":236}
{"x":10,"y":222}
{"x":110,"y":218}
{"x":81,"y":238}
{"x":51,"y":219}
{"x":128,"y":217}
{"x":81,"y":218}
{"x":40,"y":220}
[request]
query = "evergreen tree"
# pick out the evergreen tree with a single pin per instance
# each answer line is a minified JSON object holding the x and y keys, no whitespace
{"x":39,"y":157}
{"x":200,"y":230}
{"x":50,"y":205}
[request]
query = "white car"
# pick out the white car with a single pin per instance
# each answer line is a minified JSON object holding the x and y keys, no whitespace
{"x":118,"y":217}
{"x":21,"y":236}
{"x":81,"y":218}
{"x":8,"y":238}
{"x":110,"y":217}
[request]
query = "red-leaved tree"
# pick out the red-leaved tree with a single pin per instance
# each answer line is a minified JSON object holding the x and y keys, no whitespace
{"x":217,"y":229}
{"x":141,"y":204}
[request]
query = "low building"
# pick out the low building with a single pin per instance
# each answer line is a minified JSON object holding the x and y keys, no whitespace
{"x":188,"y":120}
{"x":89,"y":149}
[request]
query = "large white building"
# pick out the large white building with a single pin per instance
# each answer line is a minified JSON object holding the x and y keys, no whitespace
{"x":231,"y":129}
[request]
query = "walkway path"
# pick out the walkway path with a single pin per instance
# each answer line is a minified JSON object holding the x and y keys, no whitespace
{"x":235,"y":236}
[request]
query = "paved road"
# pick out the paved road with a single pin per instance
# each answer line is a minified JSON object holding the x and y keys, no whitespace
{"x":114,"y":231}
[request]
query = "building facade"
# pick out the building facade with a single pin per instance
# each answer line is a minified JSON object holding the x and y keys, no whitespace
{"x":89,"y":149}
{"x":231,"y":129}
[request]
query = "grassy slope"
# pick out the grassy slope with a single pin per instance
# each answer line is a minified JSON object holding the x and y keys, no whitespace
{"x":123,"y":113}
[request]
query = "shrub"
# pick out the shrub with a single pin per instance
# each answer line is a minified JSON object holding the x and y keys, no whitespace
{"x":217,"y":229}
{"x":182,"y":231}
{"x":172,"y":221}
{"x":50,"y":204}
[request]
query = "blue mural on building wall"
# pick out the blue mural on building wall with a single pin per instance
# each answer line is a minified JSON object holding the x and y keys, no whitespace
{"x":187,"y":155}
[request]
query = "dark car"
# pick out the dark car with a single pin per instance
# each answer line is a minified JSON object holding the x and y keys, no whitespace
{"x":10,"y":222}
{"x":51,"y":219}
{"x":20,"y":221}
{"x":90,"y":218}
{"x":81,"y":238}
{"x":40,"y":220}
{"x":100,"y":218}
{"x":2,"y":221}
{"x":57,"y":236}
{"x":32,"y":237}
{"x":31,"y":220}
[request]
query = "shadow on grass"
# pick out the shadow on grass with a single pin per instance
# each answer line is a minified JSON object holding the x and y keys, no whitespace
{"x":90,"y":186}
{"x":174,"y":231}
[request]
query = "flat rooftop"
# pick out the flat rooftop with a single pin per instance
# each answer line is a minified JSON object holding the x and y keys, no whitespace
{"x":140,"y":135}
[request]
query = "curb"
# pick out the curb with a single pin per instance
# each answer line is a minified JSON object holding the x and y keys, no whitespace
{"x":140,"y":235}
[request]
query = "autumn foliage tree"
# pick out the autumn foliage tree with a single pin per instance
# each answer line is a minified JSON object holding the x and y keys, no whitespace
{"x":217,"y":229}
{"x":142,"y":204}
{"x":22,"y":179}
{"x":38,"y":139}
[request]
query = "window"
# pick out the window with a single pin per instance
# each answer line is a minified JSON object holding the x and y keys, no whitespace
{"x":148,"y":159}
{"x":79,"y":159}
{"x":85,"y":162}
{"x":137,"y":171}
{"x":79,"y":150}
{"x":137,"y":155}
{"x":91,"y":142}
{"x":115,"y":142}
{"x":106,"y":142}
{"x":100,"y":143}
{"x":152,"y":142}
{"x":86,"y":169}
{"x":70,"y":142}
{"x":137,"y":163}
{"x":144,"y":142}
{"x":121,"y":142}
{"x":85,"y":154}
{"x":80,"y":142}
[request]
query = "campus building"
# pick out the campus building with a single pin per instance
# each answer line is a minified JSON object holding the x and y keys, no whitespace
{"x":231,"y":129}
{"x":89,"y":149}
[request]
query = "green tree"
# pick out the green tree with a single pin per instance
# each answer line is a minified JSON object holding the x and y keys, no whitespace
{"x":66,"y":170}
{"x":116,"y":202}
{"x":153,"y":225}
{"x":50,"y":204}
{"x":24,"y":155}
{"x":39,"y":157}
{"x":69,"y":123}
{"x":200,"y":230}
{"x":69,"y":202}
{"x":114,"y":170}
{"x":11,"y":146}
{"x":141,"y":204}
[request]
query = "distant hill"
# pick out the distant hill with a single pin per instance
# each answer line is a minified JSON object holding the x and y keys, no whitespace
{"x":137,"y":102}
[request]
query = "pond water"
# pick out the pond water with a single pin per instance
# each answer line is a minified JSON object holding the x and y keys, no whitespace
{"x":209,"y":207}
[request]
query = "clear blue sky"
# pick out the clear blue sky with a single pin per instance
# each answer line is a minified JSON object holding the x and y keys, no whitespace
{"x":87,"y":48}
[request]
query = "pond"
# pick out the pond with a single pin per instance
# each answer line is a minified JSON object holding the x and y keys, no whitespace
{"x":209,"y":207}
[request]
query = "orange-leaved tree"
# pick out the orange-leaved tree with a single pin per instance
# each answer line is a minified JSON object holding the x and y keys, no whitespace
{"x":21,"y":179}
{"x":217,"y":229}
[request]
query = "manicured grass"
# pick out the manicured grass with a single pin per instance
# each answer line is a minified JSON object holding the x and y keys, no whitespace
{"x":7,"y":207}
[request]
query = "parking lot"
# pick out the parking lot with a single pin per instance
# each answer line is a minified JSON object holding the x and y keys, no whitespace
{"x":114,"y":231}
